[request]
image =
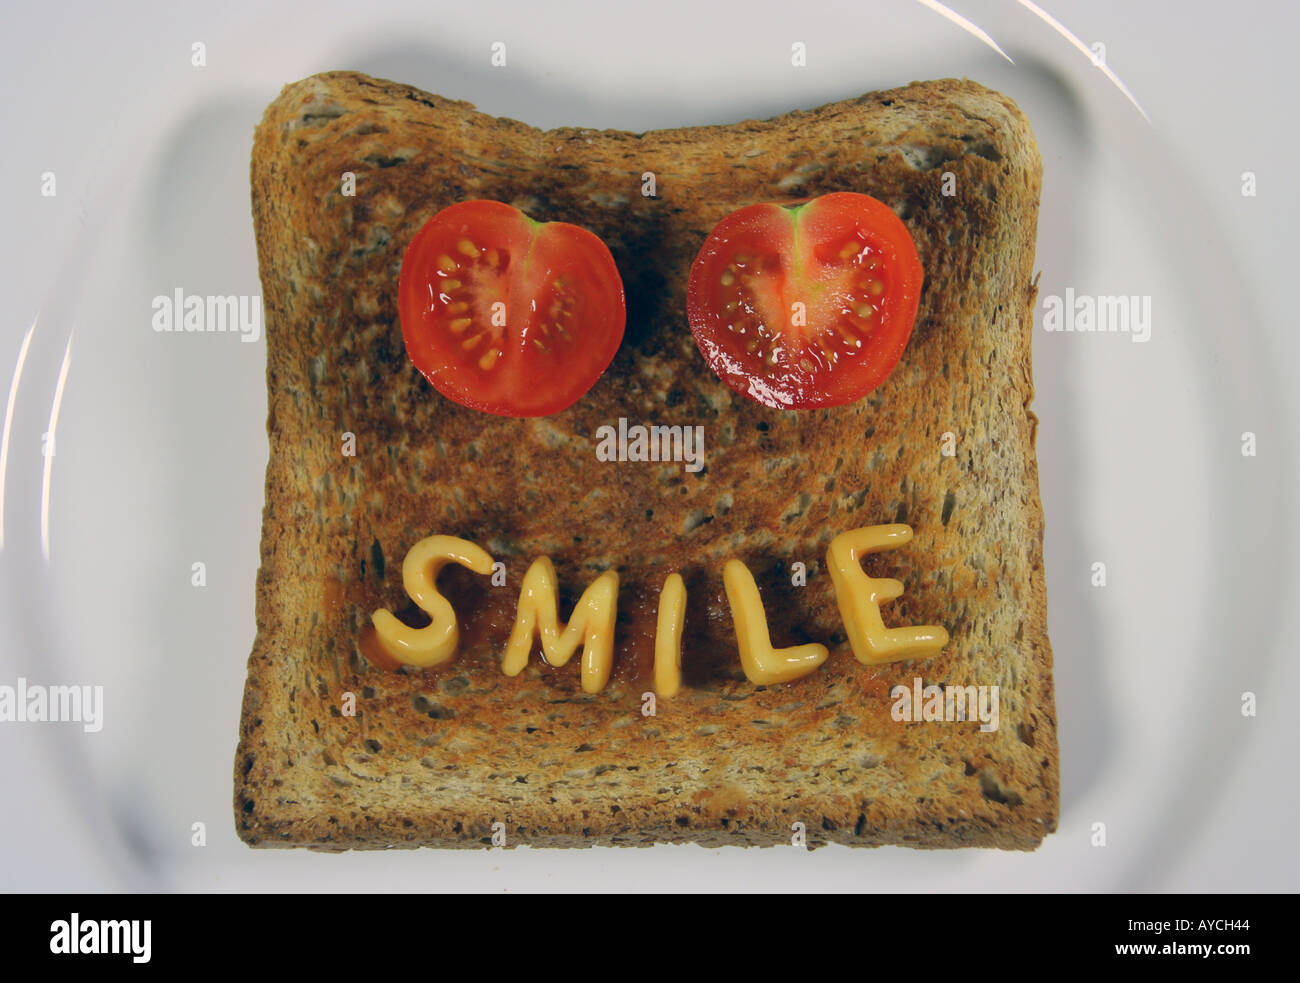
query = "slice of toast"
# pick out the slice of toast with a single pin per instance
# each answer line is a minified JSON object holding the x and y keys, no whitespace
{"x":366,"y":460}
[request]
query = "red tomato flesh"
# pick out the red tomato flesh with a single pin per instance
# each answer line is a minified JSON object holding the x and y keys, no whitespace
{"x":806,"y":306}
{"x":507,"y":315}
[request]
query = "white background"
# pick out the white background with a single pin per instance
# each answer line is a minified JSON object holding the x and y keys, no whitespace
{"x":161,"y":449}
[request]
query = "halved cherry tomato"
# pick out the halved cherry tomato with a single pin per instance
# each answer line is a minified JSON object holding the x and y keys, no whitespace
{"x":507,"y":315}
{"x":809,"y":305}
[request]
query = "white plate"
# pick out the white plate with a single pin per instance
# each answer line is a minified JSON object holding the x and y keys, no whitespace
{"x":162,"y":447}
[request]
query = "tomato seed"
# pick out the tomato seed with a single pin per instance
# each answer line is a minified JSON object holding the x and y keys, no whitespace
{"x":460,"y":324}
{"x":468,"y":248}
{"x":489,"y":359}
{"x":847,"y":334}
{"x":447,"y":265}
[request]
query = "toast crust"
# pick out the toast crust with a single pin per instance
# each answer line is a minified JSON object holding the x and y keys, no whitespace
{"x":435,"y":758}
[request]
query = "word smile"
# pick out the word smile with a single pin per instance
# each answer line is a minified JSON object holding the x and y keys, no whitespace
{"x":641,"y":443}
{"x":595,"y":615}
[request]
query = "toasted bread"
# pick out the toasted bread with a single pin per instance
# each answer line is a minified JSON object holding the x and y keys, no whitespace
{"x":946,"y":444}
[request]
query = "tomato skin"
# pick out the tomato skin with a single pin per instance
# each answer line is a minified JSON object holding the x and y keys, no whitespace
{"x":506,"y":315}
{"x":805,"y":306}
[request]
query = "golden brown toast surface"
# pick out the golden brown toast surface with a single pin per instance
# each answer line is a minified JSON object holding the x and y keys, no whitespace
{"x":436,"y":757}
